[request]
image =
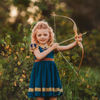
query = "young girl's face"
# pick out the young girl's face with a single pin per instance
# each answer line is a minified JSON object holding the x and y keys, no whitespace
{"x":42,"y":36}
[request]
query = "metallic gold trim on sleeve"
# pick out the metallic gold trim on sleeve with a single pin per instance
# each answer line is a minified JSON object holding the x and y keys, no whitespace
{"x":45,"y":89}
{"x":33,"y":47}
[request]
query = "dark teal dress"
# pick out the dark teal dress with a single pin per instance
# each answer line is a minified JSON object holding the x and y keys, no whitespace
{"x":45,"y":80}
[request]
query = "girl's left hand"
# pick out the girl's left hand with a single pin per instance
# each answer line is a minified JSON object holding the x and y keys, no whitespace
{"x":78,"y":38}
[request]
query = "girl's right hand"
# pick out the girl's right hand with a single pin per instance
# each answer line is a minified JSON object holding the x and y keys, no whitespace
{"x":55,"y":45}
{"x":78,"y":38}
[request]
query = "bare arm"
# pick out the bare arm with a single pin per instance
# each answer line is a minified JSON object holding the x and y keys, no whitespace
{"x":40,"y":55}
{"x":70,"y":46}
{"x":64,"y":48}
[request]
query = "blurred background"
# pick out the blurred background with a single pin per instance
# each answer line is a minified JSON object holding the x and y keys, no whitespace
{"x":17,"y":18}
{"x":86,"y":14}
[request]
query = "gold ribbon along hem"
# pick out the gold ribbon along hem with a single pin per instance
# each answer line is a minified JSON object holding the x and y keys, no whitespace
{"x":45,"y":89}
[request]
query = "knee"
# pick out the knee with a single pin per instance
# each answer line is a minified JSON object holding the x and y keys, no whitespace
{"x":39,"y":98}
{"x":53,"y":98}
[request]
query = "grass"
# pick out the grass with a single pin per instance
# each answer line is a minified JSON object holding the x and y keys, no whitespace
{"x":95,"y":71}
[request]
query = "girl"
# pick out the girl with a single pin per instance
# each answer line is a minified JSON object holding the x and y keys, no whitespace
{"x":45,"y":80}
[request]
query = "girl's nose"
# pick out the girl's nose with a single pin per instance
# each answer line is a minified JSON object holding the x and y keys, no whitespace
{"x":42,"y":36}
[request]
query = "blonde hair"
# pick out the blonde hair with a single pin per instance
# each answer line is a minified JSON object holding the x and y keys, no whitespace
{"x":42,"y":25}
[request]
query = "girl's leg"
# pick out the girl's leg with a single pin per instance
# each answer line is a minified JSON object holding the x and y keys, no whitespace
{"x":39,"y":98}
{"x":53,"y":98}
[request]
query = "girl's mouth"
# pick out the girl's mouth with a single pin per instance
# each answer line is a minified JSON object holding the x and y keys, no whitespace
{"x":42,"y":40}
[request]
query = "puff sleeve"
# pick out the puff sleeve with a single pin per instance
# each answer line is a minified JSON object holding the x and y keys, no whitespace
{"x":33,"y":47}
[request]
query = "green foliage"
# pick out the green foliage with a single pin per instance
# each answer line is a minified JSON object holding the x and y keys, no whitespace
{"x":16,"y":63}
{"x":18,"y":2}
{"x":85,"y":87}
{"x":15,"y":68}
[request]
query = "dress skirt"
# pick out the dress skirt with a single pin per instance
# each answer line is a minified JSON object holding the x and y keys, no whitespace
{"x":45,"y":80}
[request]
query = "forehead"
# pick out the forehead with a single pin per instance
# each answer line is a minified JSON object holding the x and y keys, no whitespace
{"x":42,"y":31}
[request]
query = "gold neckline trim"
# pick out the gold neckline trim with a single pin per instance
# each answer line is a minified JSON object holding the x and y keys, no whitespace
{"x":44,"y":47}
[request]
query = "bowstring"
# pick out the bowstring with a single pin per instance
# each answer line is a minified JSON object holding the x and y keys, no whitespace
{"x":55,"y":29}
{"x":59,"y":50}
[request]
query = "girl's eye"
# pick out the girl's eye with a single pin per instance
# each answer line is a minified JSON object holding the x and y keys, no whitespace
{"x":39,"y":35}
{"x":45,"y":34}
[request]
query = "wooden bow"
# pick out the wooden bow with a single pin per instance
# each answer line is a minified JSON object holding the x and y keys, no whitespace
{"x":76,"y":34}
